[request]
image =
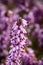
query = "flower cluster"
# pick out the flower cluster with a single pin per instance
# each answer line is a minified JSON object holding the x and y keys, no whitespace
{"x":19,"y":43}
{"x":21,"y":32}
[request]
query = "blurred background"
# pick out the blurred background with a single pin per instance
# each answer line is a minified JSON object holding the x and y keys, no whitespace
{"x":31,"y":11}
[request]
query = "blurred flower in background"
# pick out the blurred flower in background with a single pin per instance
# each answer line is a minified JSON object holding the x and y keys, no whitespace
{"x":21,"y":32}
